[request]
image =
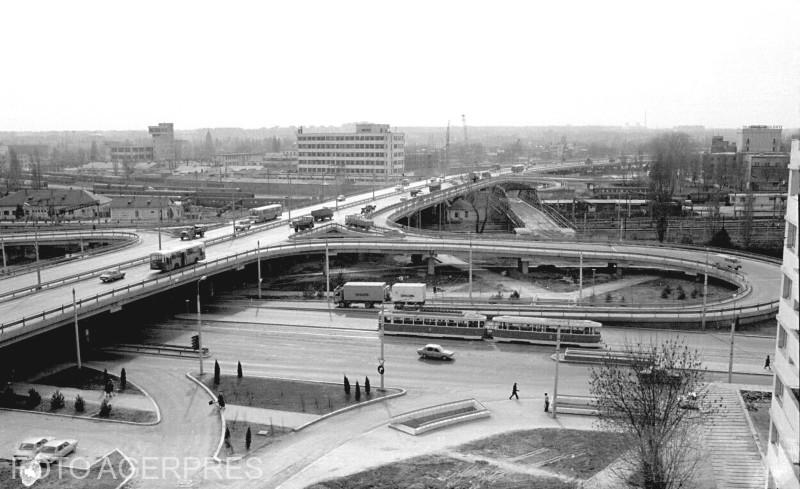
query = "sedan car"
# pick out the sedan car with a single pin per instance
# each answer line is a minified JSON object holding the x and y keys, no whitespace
{"x":112,"y":275}
{"x":340,"y":198}
{"x":55,"y":450}
{"x":29,"y":447}
{"x":435,"y":351}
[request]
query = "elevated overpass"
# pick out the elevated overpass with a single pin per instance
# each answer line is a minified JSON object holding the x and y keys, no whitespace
{"x":27,"y":314}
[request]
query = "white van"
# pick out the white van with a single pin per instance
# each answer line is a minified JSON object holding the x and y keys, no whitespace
{"x":727,"y":262}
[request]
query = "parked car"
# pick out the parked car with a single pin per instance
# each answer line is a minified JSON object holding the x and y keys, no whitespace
{"x":340,"y":198}
{"x":435,"y":351}
{"x":29,"y":447}
{"x":112,"y":276}
{"x":689,"y":401}
{"x":55,"y":450}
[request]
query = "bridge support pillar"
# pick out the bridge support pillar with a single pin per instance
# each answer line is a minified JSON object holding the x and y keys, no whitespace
{"x":523,"y":265}
{"x":431,"y":266}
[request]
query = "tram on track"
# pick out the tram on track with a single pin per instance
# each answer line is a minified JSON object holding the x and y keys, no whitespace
{"x":435,"y":323}
{"x":443,"y":323}
{"x":542,"y":331}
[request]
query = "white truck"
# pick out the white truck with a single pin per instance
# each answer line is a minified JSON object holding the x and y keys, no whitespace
{"x":726,"y":262}
{"x":367,"y":293}
{"x":408,"y":294}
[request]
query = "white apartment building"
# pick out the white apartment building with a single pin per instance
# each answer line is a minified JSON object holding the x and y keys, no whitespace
{"x":758,"y":139}
{"x":783,"y":451}
{"x":371,"y":152}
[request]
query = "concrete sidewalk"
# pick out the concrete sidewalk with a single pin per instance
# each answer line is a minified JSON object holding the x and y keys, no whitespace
{"x":121,"y":400}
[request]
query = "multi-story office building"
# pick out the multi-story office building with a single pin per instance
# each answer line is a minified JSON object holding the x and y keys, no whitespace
{"x":164,"y":148}
{"x":758,"y":139}
{"x":372,"y":151}
{"x":783,"y":450}
{"x":130,"y":153}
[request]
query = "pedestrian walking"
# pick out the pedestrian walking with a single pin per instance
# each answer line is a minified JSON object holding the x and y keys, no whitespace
{"x":766,"y":364}
{"x":546,"y":403}
{"x":514,"y":391}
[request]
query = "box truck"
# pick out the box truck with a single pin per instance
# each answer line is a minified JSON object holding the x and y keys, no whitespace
{"x":408,"y":294}
{"x":367,"y":293}
{"x":322,"y":214}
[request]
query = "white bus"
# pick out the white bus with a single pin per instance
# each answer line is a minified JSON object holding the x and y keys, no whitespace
{"x":166,"y":260}
{"x":266,"y":213}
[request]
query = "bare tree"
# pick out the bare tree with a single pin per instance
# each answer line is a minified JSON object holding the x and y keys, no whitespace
{"x":656,"y":400}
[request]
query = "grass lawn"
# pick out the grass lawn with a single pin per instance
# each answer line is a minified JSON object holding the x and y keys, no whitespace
{"x":85,"y":378}
{"x":441,"y":472}
{"x":90,"y":410}
{"x":288,"y":395}
{"x":758,"y":403}
{"x":417,"y":422}
{"x":586,"y":452}
{"x":238,"y":430}
{"x":107,"y":474}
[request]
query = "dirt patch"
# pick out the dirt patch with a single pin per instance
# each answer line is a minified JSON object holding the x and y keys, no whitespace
{"x":91,"y":409}
{"x":573,"y":453}
{"x":758,"y":403}
{"x":235,"y":444}
{"x":106,"y":474}
{"x":417,"y":422}
{"x":85,"y":378}
{"x":441,"y":472}
{"x":289,"y":395}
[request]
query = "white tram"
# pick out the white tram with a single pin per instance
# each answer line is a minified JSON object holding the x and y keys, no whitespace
{"x":434,"y":323}
{"x":543,"y":331}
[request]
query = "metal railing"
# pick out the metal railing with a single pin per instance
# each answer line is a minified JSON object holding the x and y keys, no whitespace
{"x":188,"y":274}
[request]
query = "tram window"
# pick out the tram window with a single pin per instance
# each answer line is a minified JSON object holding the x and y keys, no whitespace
{"x":430,"y":322}
{"x":480,"y":324}
{"x":398,"y":320}
{"x":408,"y":320}
{"x":472,"y":324}
{"x":441,"y":322}
{"x":551,"y":330}
{"x":387,"y":320}
{"x":450,"y":322}
{"x":417,"y":320}
{"x":525,"y":327}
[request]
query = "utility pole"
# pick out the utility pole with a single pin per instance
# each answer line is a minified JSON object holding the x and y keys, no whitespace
{"x":470,"y":268}
{"x":730,"y":355}
{"x":381,"y":359}
{"x":3,"y":248}
{"x":160,"y":212}
{"x":558,"y":360}
{"x":258,"y":253}
{"x":580,"y":278}
{"x":77,"y":333}
{"x":199,"y":326}
{"x":328,"y":280}
{"x":38,"y":265}
{"x":705,"y":292}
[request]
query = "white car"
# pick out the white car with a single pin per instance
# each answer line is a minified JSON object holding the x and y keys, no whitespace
{"x":435,"y":351}
{"x":29,"y":447}
{"x":243,"y":225}
{"x":340,"y":198}
{"x":55,"y":450}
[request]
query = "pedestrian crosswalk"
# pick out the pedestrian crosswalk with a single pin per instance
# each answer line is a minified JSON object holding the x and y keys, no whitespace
{"x":734,"y":454}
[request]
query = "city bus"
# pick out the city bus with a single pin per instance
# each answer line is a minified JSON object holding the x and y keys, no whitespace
{"x":543,"y":331}
{"x":167,"y":260}
{"x":517,"y":168}
{"x":435,"y":323}
{"x":266,"y":213}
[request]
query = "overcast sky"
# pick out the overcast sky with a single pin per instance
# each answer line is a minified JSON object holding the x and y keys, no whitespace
{"x":81,"y":65}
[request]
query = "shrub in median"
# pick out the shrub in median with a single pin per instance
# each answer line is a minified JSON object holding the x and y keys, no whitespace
{"x":123,"y":380}
{"x":34,"y":399}
{"x":239,"y":370}
{"x":358,"y":392}
{"x":248,"y":439}
{"x":56,"y":401}
{"x":80,"y":404}
{"x":366,"y":386}
{"x":346,"y":385}
{"x":105,"y":409}
{"x":216,"y":372}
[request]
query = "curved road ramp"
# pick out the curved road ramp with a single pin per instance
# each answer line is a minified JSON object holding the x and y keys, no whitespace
{"x":439,"y":416}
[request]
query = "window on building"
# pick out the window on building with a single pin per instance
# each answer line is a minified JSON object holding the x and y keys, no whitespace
{"x":781,"y":336}
{"x":791,"y":236}
{"x":787,"y":287}
{"x":778,"y":390}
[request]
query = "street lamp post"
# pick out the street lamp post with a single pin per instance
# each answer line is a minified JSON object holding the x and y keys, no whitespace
{"x":160,"y":214}
{"x":593,"y":282}
{"x":199,"y":326}
{"x":580,"y":278}
{"x":38,"y":265}
{"x":558,"y":360}
{"x":381,"y":359}
{"x":77,"y":334}
{"x":705,"y":292}
{"x":258,"y":265}
{"x":470,"y":268}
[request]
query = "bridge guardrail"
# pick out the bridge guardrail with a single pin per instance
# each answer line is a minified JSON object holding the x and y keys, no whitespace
{"x":16,"y":237}
{"x":179,"y":276}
